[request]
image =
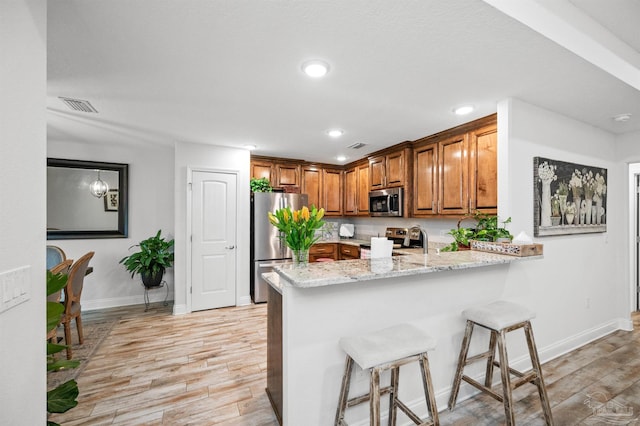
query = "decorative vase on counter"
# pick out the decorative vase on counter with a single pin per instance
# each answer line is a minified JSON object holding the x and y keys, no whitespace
{"x":300,"y":257}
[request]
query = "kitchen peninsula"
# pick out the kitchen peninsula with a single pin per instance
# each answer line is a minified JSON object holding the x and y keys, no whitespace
{"x":310,"y":308}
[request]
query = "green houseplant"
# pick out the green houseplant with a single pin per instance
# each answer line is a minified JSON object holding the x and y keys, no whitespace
{"x":487,"y":228}
{"x":155,"y":255}
{"x":63,"y":397}
{"x":260,"y":185}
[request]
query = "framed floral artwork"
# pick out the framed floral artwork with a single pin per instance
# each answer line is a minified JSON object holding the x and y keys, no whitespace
{"x":111,"y":201}
{"x":569,"y":198}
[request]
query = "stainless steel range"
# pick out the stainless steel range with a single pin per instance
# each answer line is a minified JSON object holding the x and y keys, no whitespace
{"x":414,"y":237}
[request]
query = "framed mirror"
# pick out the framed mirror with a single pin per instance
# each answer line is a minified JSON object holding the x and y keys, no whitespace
{"x":77,"y":208}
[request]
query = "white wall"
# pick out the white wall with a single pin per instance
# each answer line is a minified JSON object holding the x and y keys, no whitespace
{"x":628,"y":148}
{"x":206,"y":157}
{"x":23,"y":45}
{"x":579,"y":291}
{"x":151,"y":201}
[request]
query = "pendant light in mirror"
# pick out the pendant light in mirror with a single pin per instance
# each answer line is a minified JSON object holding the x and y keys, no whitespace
{"x":98,"y":187}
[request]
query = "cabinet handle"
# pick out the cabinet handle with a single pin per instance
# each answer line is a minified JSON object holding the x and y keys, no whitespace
{"x":230,"y":247}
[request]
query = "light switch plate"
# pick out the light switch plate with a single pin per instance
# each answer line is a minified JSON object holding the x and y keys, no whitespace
{"x":15,"y":287}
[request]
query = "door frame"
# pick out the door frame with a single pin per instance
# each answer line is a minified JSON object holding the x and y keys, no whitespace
{"x":189,"y":251}
{"x":634,"y":253}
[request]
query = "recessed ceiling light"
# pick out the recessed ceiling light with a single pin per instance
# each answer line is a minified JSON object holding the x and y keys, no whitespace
{"x":622,"y":118}
{"x":250,"y":147}
{"x":315,"y":68}
{"x":335,"y":133}
{"x":463,"y":110}
{"x":341,"y":158}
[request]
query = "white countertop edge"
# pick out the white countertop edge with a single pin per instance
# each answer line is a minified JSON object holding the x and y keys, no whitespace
{"x":274,"y":280}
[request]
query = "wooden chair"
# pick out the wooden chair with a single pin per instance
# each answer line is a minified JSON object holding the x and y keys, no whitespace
{"x":55,"y":255}
{"x":72,"y":293}
{"x":61,"y":268}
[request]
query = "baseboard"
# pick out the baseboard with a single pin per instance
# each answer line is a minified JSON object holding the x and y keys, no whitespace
{"x":244,"y":300}
{"x":180,"y":309}
{"x":114,"y":302}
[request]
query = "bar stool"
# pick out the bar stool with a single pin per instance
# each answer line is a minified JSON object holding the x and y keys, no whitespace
{"x":387,"y":349}
{"x":500,"y":318}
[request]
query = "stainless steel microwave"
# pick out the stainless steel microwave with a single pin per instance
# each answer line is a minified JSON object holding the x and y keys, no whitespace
{"x":386,"y":202}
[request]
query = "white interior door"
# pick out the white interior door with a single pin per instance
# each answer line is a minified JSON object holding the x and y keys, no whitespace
{"x":213,"y":240}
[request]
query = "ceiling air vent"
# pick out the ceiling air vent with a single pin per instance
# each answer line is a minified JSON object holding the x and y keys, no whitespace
{"x":356,"y":145}
{"x":78,"y":105}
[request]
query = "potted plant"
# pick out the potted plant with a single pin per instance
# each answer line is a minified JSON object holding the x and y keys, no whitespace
{"x":260,"y":185}
{"x":155,"y":255}
{"x":487,"y":228}
{"x":298,"y":229}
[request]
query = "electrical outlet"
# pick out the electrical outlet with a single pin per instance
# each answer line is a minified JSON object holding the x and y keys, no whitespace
{"x":15,"y":287}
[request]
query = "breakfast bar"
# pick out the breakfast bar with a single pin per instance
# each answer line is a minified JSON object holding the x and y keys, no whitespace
{"x":310,"y":308}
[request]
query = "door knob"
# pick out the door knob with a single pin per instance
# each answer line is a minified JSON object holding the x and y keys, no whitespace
{"x":230,"y":247}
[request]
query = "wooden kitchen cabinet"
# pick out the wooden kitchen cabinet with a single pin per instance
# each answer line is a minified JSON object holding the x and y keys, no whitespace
{"x":441,"y":177}
{"x":312,"y":185}
{"x":389,"y":170}
{"x":455,"y":172}
{"x":362,"y":195}
{"x":287,"y":175}
{"x":483,"y":161}
{"x":356,"y":190}
{"x":425,"y":180}
{"x":263,"y":169}
{"x":350,"y":192}
{"x":323,"y":250}
{"x":348,"y":252}
{"x":332,"y":190}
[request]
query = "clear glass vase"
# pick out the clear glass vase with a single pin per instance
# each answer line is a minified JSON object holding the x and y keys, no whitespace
{"x":300,"y":257}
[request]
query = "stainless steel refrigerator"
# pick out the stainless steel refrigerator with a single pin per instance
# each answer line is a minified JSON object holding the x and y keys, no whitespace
{"x":267,"y":248}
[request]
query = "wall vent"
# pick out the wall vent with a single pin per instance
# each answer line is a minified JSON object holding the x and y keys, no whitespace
{"x":356,"y":145}
{"x":78,"y":105}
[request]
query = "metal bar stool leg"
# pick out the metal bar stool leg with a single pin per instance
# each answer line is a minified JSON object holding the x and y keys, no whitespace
{"x":462,"y":360}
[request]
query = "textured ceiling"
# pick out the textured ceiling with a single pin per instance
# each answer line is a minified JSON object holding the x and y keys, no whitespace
{"x":228,"y":72}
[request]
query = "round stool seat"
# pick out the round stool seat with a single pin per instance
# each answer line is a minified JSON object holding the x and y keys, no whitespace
{"x":386,"y":345}
{"x":324,"y":259}
{"x":498,"y":315}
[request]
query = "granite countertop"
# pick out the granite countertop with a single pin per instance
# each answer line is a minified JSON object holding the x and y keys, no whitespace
{"x":345,"y":271}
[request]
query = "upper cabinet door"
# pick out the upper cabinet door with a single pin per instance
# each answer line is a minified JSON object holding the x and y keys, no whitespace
{"x":425,"y":180}
{"x":332,"y":192}
{"x":311,"y":185}
{"x":288,"y":175}
{"x":454,"y":167}
{"x":362,"y":193}
{"x":395,"y":169}
{"x":377,"y":173}
{"x":262,"y":169}
{"x":483,"y":157}
{"x":350,"y":191}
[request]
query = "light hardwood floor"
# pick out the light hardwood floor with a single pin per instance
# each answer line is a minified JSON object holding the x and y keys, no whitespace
{"x":208,"y":368}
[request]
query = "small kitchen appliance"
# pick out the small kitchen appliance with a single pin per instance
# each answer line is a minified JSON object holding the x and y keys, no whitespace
{"x":386,"y":202}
